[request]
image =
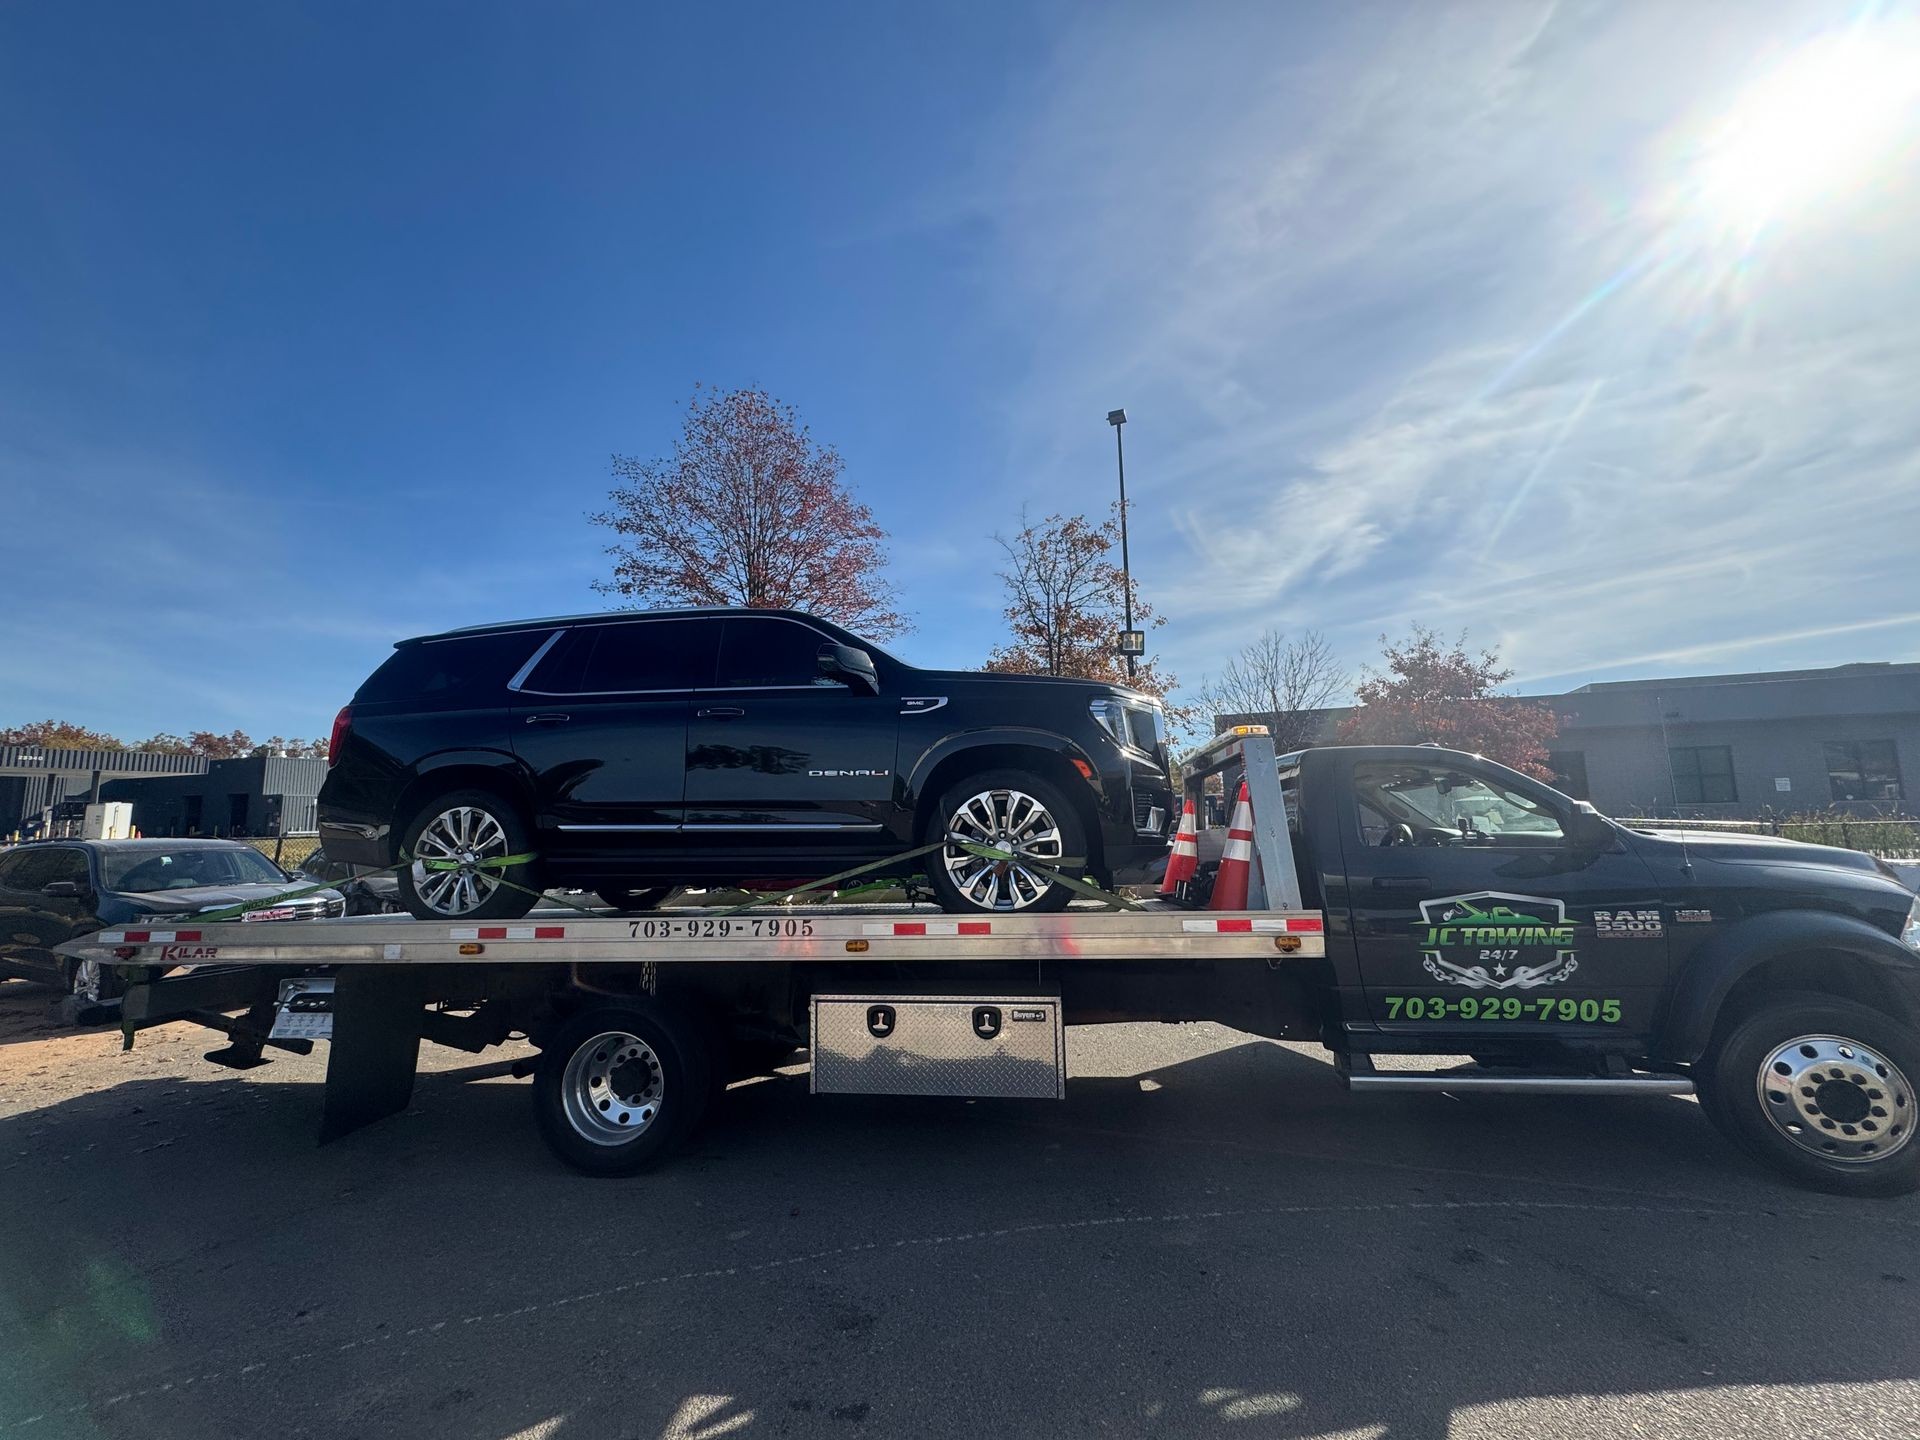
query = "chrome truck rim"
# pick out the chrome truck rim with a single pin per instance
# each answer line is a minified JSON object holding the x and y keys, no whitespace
{"x":1009,"y":820}
{"x":612,"y":1088}
{"x":1837,"y":1098}
{"x":466,"y":835}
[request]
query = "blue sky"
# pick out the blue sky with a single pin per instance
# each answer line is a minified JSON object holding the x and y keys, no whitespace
{"x":318,"y":325}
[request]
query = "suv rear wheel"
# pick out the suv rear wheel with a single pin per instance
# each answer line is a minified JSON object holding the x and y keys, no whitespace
{"x":1010,"y":810}
{"x":1820,"y":1088}
{"x":470,"y":827}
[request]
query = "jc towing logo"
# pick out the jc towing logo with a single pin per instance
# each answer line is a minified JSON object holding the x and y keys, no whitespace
{"x":1493,"y":941}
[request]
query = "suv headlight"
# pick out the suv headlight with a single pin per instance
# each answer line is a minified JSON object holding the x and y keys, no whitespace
{"x":1911,"y":932}
{"x":1135,"y":727}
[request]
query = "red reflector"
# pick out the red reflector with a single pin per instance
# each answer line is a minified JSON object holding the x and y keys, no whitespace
{"x":906,"y":928}
{"x":493,"y":932}
{"x":342,"y":723}
{"x":186,"y":935}
{"x":976,"y":927}
{"x":1308,"y":924}
{"x":549,"y":932}
{"x":136,"y":937}
{"x":1235,"y":927}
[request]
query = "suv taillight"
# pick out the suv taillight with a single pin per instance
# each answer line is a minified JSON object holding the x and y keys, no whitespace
{"x":342,"y":723}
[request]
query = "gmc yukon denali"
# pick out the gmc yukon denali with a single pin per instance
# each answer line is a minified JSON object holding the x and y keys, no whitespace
{"x":627,"y":753}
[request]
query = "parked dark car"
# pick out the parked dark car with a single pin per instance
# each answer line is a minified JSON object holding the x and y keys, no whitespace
{"x":54,"y":890}
{"x":374,"y":892}
{"x":627,"y":753}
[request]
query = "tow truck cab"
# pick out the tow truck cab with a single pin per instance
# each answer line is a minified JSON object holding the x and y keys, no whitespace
{"x":1472,"y":909}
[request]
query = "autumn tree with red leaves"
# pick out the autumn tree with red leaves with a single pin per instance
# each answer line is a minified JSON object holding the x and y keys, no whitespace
{"x":747,"y":510}
{"x":1066,"y":603}
{"x":1429,"y":691}
{"x":59,"y":735}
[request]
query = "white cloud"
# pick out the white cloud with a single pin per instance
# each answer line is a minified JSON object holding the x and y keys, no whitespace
{"x":1410,"y":328}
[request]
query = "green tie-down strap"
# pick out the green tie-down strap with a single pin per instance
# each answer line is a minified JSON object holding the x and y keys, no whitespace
{"x":1072,"y":882}
{"x":501,"y":862}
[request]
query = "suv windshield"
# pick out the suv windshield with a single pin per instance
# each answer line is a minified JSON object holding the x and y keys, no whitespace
{"x":145,"y":871}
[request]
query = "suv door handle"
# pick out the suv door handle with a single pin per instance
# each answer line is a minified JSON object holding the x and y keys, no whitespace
{"x":548,"y":719}
{"x":1402,"y":882}
{"x":719,"y":712}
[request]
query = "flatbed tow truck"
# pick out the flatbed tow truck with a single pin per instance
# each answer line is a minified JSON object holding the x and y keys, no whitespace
{"x":1404,"y":901}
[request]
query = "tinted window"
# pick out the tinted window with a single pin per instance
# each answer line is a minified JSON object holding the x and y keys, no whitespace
{"x":150,"y":869}
{"x":771,"y":652}
{"x":465,"y":670}
{"x":9,"y":866}
{"x":1436,"y":805}
{"x":33,"y":868}
{"x":1703,"y":775}
{"x":1863,"y":770}
{"x":69,"y":865}
{"x":639,"y":656}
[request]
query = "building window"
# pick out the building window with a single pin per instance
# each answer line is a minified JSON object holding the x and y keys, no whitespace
{"x":1569,"y":769}
{"x":1864,"y":770}
{"x":1702,"y":774}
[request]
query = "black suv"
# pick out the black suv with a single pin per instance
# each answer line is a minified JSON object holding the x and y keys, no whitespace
{"x":629,"y":753}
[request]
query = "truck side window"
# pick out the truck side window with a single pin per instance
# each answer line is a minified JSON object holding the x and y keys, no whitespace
{"x":1413,"y":803}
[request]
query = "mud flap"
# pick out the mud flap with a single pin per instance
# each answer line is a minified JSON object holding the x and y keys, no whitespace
{"x":377,"y":1011}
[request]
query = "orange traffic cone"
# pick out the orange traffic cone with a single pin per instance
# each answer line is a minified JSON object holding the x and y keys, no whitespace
{"x":1236,"y":865}
{"x":1184,"y":863}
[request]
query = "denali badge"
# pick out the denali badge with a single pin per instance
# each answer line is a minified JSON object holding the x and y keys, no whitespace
{"x":843,"y":774}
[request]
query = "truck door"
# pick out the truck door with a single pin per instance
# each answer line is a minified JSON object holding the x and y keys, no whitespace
{"x":1480,"y":905}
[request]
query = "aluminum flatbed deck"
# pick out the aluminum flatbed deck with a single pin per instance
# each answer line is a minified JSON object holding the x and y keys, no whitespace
{"x":894,"y":933}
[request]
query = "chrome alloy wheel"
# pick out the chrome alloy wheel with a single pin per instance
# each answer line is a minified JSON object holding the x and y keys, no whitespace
{"x":1837,"y":1098}
{"x":612,"y":1088}
{"x":1009,"y":820}
{"x":87,"y":981}
{"x":465,"y":834}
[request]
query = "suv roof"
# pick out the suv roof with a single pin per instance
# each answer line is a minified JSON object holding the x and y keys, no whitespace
{"x":503,"y":627}
{"x":145,"y":842}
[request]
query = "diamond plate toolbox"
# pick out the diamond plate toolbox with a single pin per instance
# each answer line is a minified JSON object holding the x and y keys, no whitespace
{"x":987,"y":1046}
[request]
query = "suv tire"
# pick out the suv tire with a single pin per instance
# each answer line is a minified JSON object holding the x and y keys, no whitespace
{"x":1820,"y":1088}
{"x":995,"y":807}
{"x":475,"y":822}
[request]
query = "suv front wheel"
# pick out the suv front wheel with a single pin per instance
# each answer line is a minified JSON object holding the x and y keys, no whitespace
{"x":1010,"y":811}
{"x":470,"y":828}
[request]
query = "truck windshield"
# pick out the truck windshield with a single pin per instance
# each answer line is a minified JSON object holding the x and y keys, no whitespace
{"x":1438,"y":805}
{"x":144,"y":871}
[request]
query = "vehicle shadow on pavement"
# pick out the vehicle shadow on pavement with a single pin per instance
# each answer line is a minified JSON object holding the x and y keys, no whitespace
{"x":1216,"y":1242}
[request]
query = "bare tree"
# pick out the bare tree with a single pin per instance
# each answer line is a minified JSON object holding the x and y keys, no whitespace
{"x":1279,"y":683}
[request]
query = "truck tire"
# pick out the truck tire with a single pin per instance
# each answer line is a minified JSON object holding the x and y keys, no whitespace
{"x":619,"y":1087}
{"x":1819,"y":1088}
{"x":1002,"y":807}
{"x":467,"y":822}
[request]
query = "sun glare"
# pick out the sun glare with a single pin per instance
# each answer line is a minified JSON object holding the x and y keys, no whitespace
{"x":1831,"y":119}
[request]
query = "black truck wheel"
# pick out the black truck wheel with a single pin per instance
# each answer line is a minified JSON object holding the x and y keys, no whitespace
{"x":1013,"y":811}
{"x":618,"y":1087}
{"x":1820,"y":1088}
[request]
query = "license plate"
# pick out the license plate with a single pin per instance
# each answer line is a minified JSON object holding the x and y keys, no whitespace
{"x":305,"y":1011}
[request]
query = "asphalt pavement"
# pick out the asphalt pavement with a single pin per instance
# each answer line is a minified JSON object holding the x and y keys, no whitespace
{"x":1207,"y":1237}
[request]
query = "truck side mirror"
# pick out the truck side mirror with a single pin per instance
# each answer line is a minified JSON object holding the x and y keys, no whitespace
{"x":61,"y":889}
{"x":1587,"y":829}
{"x":853,"y":667}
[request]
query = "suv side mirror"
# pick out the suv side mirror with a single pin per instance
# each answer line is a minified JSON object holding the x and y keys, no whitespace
{"x":61,"y":889}
{"x":855,"y":667}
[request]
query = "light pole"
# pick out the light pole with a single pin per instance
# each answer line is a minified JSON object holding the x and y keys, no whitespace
{"x":1118,"y":418}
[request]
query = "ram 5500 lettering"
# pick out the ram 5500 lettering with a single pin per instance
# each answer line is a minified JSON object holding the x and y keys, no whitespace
{"x":630,"y":753}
